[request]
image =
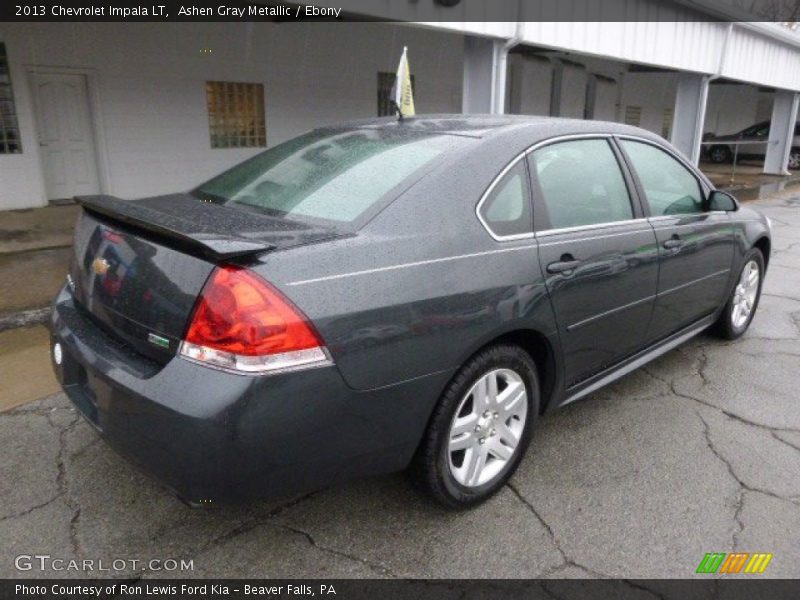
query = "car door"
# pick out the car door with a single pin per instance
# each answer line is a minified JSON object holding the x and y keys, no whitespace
{"x":597,"y":251}
{"x":695,"y":245}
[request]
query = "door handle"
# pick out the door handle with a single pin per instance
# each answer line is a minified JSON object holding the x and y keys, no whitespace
{"x":566,"y":263}
{"x":673,"y":242}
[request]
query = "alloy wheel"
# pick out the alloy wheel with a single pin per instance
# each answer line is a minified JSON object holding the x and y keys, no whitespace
{"x":745,"y":294}
{"x":794,"y":160}
{"x":487,"y":427}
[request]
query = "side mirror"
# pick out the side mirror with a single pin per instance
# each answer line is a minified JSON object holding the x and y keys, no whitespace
{"x":718,"y":200}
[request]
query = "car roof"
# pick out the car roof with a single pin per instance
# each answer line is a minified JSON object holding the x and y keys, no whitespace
{"x":532,"y":128}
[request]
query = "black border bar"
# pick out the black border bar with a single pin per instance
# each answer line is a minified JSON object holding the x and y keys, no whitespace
{"x":405,"y":10}
{"x":733,"y":587}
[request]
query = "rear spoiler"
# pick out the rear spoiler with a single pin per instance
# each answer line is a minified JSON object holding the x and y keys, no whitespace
{"x":188,"y":233}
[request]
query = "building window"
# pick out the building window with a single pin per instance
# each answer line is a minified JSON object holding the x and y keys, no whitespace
{"x":9,"y":126}
{"x":236,"y":114}
{"x":633,"y":115}
{"x":385,"y":83}
{"x":666,"y":123}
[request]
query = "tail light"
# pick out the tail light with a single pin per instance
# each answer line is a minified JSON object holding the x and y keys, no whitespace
{"x":242,"y":323}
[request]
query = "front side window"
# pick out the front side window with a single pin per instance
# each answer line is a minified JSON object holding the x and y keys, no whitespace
{"x":669,"y":187}
{"x":507,"y":208}
{"x":581,"y":183}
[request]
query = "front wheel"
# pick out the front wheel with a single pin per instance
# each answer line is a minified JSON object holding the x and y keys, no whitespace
{"x":480,"y":428}
{"x":743,"y":301}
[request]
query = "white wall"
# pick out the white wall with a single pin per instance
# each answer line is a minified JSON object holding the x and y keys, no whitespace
{"x":150,"y":87}
{"x":530,"y":85}
{"x":731,"y":108}
{"x":653,"y":92}
{"x":21,"y":182}
{"x":573,"y":91}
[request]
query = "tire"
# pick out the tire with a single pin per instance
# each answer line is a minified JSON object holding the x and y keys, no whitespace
{"x":719,"y":154}
{"x":461,"y":478}
{"x":732,"y":323}
{"x":794,"y":159}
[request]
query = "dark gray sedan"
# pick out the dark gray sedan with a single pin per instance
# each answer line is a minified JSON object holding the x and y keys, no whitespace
{"x":385,"y":294}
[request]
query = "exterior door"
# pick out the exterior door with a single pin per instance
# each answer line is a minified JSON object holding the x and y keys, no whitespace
{"x":598,"y":254}
{"x":66,"y":139}
{"x":696,"y":246}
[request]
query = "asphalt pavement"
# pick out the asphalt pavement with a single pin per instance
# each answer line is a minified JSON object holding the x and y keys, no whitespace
{"x":697,"y":452}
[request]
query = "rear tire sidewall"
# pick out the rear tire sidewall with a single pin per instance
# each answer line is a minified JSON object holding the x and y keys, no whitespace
{"x":450,"y":491}
{"x":726,"y":327}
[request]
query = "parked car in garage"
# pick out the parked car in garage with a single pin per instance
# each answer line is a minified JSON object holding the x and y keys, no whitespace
{"x":752,"y":143}
{"x":385,"y":294}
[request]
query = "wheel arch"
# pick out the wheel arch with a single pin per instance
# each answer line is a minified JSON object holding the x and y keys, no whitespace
{"x":539,"y":347}
{"x":764,"y":244}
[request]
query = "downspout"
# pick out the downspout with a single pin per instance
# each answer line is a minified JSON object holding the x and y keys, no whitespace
{"x":501,"y":69}
{"x":700,"y":114}
{"x":723,"y":53}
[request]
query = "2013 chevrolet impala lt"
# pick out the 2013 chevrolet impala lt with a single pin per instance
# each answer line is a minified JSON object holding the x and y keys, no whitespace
{"x":385,"y":294}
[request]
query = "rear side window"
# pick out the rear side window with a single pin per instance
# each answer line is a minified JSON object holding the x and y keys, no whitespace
{"x":581,"y":183}
{"x":328,"y":176}
{"x":669,"y":187}
{"x":507,"y":209}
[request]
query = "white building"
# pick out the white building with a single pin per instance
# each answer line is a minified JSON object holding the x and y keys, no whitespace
{"x":142,"y":109}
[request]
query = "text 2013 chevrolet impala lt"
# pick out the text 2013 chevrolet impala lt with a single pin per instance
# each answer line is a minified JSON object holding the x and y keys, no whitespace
{"x":383,"y":294}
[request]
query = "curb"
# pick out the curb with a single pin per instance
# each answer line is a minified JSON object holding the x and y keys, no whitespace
{"x":24,"y":318}
{"x":34,"y":249}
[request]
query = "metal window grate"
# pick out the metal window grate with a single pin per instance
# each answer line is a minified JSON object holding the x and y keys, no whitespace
{"x":633,"y":115}
{"x":236,"y":114}
{"x":385,"y":83}
{"x":9,"y":125}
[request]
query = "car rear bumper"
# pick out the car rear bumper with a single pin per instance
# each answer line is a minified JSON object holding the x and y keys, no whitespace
{"x":211,"y":435}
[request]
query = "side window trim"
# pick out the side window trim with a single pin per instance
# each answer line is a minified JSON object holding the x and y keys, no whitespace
{"x":540,"y":214}
{"x":488,"y":193}
{"x":641,"y":209}
{"x":704,"y":184}
{"x":638,"y":201}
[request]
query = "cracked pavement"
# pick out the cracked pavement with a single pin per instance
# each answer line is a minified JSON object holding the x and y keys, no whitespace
{"x":699,"y":451}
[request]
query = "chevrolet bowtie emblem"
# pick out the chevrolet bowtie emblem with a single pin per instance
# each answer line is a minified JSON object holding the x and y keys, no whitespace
{"x":100,"y":266}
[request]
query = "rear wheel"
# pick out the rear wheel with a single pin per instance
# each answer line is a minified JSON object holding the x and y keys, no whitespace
{"x":719,"y":154}
{"x":480,"y":429}
{"x":743,"y":301}
{"x":794,"y":159}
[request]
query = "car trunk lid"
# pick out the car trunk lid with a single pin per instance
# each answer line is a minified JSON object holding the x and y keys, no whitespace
{"x":139,"y":266}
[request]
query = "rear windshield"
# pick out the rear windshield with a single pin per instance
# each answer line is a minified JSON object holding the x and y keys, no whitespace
{"x":328,"y":176}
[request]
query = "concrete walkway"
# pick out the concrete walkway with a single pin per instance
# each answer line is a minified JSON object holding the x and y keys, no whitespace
{"x":698,"y":452}
{"x":34,"y":259}
{"x":37,"y":228}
